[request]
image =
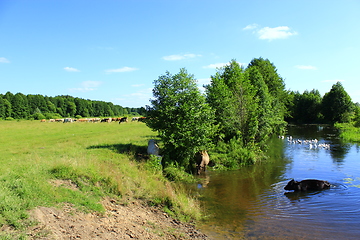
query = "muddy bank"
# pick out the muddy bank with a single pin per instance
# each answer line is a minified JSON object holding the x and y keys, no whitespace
{"x":131,"y":221}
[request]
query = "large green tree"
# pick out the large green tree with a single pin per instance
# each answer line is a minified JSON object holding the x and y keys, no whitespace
{"x":276,"y":89}
{"x":262,"y":121}
{"x":20,"y":106}
{"x":307,"y":107}
{"x":231,"y":95}
{"x":337,"y":105}
{"x":183,"y":119}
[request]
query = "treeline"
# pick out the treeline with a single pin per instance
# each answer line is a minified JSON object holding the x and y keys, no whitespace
{"x":20,"y":106}
{"x":240,"y":110}
{"x":335,"y":106}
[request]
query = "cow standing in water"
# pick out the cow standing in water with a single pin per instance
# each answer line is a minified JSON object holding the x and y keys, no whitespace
{"x":202,"y":160}
{"x":307,"y":185}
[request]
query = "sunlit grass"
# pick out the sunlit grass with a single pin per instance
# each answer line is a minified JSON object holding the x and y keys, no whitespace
{"x":99,"y":159}
{"x":349,"y":132}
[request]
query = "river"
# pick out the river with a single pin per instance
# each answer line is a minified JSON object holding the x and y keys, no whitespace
{"x":251,"y":203}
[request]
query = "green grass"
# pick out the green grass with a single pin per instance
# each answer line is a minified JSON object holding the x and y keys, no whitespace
{"x":97,"y":159}
{"x":349,"y":132}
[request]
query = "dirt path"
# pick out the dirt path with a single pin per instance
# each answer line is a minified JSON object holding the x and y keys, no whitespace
{"x":131,"y":221}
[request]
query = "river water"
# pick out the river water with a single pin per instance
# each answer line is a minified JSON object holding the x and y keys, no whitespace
{"x":252,"y":204}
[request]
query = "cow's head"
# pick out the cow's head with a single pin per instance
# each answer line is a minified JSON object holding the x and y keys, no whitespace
{"x":292,"y":185}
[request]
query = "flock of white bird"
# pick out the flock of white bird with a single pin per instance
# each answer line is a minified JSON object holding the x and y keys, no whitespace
{"x":312,"y":143}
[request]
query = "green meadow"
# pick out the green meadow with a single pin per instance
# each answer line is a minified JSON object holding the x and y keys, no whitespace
{"x":47,"y":164}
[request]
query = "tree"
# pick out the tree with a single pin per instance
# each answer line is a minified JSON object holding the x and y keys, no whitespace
{"x":2,"y":108}
{"x":182,"y":118}
{"x":231,"y":95}
{"x":308,"y":107}
{"x":20,"y":106}
{"x":262,"y":120}
{"x":337,"y":105}
{"x":276,"y":89}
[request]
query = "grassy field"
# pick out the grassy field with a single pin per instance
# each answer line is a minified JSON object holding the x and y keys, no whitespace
{"x":46,"y":164}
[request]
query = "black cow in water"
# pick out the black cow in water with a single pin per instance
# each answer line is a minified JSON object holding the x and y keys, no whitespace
{"x":307,"y":185}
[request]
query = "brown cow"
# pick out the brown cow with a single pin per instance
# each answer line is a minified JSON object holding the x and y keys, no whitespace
{"x":202,"y":160}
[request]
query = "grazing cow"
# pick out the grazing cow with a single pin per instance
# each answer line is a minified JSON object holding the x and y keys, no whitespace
{"x":307,"y":185}
{"x":68,"y":120}
{"x":43,"y":120}
{"x":94,"y":120}
{"x":135,"y":119}
{"x":202,"y":160}
{"x":141,"y":119}
{"x":108,"y":120}
{"x":124,"y":119}
{"x":153,"y":148}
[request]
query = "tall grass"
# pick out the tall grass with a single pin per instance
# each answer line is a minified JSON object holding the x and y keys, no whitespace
{"x":45,"y":164}
{"x":349,"y":132}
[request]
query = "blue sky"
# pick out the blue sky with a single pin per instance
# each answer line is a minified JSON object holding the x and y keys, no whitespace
{"x":113,"y":50}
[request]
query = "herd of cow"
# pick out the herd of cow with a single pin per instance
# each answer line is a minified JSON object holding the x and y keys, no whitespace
{"x":94,"y":120}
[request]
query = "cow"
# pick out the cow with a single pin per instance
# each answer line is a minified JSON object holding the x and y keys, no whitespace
{"x":108,"y":120}
{"x":94,"y":120}
{"x":307,"y":185}
{"x":135,"y":119}
{"x":43,"y":120}
{"x":68,"y":120}
{"x":141,"y":119}
{"x":153,"y":148}
{"x":124,"y":119}
{"x":202,"y":160}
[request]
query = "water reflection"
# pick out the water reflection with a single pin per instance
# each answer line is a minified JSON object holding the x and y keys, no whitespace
{"x":252,"y":204}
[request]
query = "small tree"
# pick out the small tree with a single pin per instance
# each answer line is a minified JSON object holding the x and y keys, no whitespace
{"x":184,"y":120}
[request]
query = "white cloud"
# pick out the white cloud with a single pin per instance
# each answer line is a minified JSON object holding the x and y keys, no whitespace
{"x":251,"y":26}
{"x":306,"y":67}
{"x":87,"y":86}
{"x":123,"y":69}
{"x":70,"y":69}
{"x":4,"y":60}
{"x":268,"y":33}
{"x":275,"y":33}
{"x":180,"y":57}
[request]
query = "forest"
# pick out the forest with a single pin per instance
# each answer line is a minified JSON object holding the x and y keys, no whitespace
{"x":36,"y":107}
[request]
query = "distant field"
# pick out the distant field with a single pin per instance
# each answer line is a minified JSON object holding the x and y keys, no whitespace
{"x":43,"y":164}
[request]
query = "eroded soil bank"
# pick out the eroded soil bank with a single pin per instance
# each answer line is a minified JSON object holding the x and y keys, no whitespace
{"x":131,"y":221}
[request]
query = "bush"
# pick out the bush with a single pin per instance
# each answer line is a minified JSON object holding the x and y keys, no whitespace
{"x":233,"y":155}
{"x":177,"y":174}
{"x":37,"y":116}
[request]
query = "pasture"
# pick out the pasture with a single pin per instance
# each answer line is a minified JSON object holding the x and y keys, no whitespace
{"x":46,"y":164}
